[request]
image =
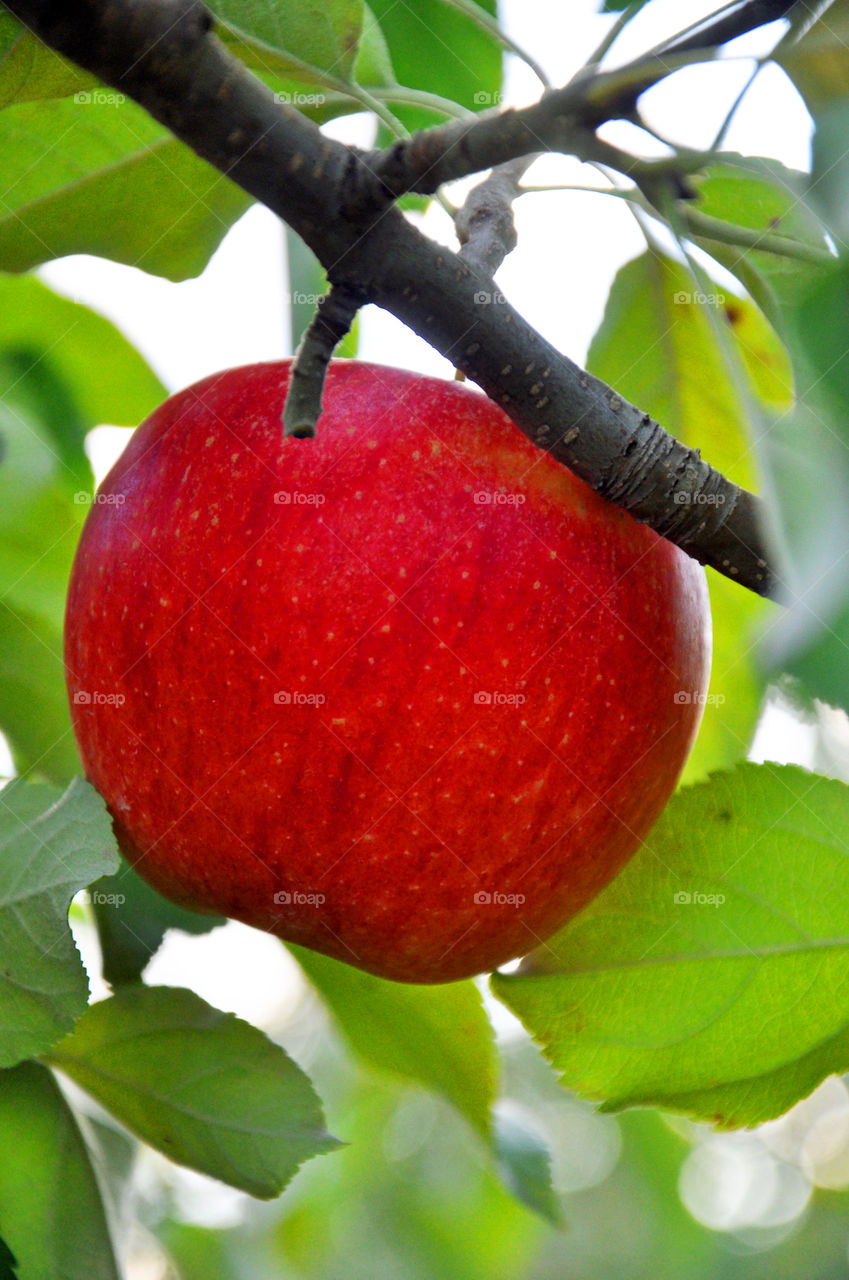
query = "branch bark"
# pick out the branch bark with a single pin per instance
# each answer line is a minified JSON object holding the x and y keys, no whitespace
{"x":165,"y":56}
{"x":485,"y":226}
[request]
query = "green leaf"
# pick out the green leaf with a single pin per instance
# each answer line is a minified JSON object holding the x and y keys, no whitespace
{"x":818,"y":62}
{"x":50,"y":1206}
{"x":439,"y":1037}
{"x":374,"y":62}
{"x":763,"y":195}
{"x":806,"y":454}
{"x":29,"y":69}
{"x":99,"y":175}
{"x":766,"y":197}
{"x":52,"y":391}
{"x":525,"y":1166}
{"x":53,"y":845}
{"x":197,"y":1251}
{"x":737,"y":679}
{"x":203,"y":1087}
{"x":435,"y":47}
{"x":290,"y":37}
{"x":132,"y":919}
{"x":107,"y":379}
{"x":657,"y":346}
{"x":712,"y":975}
{"x":307,"y":54}
{"x":758,"y":1098}
{"x":33,"y":703}
{"x":830,"y":170}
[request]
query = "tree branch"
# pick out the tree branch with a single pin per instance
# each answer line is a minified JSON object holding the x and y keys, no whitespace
{"x":484,"y":224}
{"x":719,"y":28}
{"x":164,"y":55}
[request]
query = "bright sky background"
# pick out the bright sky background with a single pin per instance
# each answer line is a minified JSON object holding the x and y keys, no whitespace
{"x":569,"y":248}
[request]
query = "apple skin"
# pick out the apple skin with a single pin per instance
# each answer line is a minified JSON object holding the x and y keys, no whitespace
{"x":409,"y":693}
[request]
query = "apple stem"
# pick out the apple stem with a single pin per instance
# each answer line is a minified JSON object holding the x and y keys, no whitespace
{"x":333,"y":318}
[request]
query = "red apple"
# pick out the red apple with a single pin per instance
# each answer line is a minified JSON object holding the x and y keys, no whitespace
{"x":409,"y":693}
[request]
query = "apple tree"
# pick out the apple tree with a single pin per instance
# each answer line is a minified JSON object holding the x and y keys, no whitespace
{"x":697,"y":999}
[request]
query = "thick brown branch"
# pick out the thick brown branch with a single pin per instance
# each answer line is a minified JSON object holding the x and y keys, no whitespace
{"x":164,"y":56}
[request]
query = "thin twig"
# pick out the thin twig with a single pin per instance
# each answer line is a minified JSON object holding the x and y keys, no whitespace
{"x":333,"y":318}
{"x":485,"y":226}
